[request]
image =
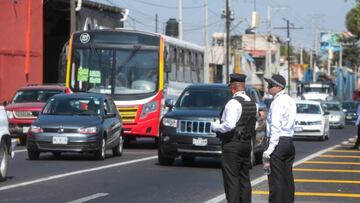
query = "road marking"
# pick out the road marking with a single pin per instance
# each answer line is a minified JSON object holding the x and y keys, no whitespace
{"x":88,"y":198}
{"x":346,"y":151}
{"x":317,"y":194}
{"x":339,"y":156}
{"x":222,"y":197}
{"x":74,"y":173}
{"x":325,"y":170}
{"x":332,"y":162}
{"x":326,"y":181}
{"x":20,"y":150}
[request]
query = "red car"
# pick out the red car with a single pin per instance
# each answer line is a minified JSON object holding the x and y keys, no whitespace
{"x":25,"y":106}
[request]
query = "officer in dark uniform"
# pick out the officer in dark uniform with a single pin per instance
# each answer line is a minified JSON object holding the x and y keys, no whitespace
{"x":235,"y":129}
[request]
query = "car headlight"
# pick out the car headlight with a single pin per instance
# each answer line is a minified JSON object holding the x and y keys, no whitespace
{"x":315,"y":123}
{"x":170,"y":122}
{"x":9,"y":114}
{"x":36,"y":129}
{"x":149,"y":107}
{"x":88,"y":130}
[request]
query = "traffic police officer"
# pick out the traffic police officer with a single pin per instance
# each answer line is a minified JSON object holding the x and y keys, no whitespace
{"x":281,"y":152}
{"x":235,"y":128}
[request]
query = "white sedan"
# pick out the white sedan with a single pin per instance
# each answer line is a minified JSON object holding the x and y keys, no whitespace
{"x":311,"y":120}
{"x":7,"y":145}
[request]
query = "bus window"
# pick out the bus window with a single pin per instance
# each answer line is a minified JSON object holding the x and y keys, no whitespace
{"x":173,"y":57}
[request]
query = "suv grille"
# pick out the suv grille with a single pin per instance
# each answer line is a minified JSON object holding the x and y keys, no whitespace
{"x":128,"y":114}
{"x":24,"y":114}
{"x":197,"y":127}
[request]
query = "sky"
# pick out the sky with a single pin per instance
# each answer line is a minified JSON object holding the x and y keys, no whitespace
{"x":309,"y":15}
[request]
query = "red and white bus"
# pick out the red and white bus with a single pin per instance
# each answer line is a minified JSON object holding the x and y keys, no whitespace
{"x":138,"y":69}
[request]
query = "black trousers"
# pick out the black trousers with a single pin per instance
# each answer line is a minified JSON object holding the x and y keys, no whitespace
{"x":281,"y":180}
{"x":358,"y":137}
{"x":235,"y":165}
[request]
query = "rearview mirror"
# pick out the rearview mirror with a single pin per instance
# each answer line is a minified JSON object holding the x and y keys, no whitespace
{"x":169,"y":103}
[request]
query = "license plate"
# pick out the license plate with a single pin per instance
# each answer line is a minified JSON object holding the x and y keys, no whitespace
{"x":199,"y":141}
{"x":298,"y":129}
{"x":59,"y":140}
{"x":25,"y":129}
{"x":348,"y":117}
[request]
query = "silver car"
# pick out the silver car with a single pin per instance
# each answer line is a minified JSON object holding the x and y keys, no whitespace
{"x":337,"y":115}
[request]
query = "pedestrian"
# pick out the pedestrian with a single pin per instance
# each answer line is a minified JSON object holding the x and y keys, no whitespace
{"x":358,"y":130}
{"x":281,"y":151}
{"x":235,"y":128}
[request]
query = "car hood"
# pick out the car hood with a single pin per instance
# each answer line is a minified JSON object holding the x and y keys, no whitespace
{"x":51,"y":121}
{"x":25,"y":106}
{"x":308,"y":117}
{"x":336,"y":113}
{"x":193,"y":113}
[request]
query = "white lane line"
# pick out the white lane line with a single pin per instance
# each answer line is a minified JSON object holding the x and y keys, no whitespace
{"x":264,"y":177}
{"x":88,"y":198}
{"x":74,"y":173}
{"x":20,"y":150}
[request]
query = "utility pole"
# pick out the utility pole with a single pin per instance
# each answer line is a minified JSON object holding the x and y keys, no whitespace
{"x":156,"y":22}
{"x":227,"y":40}
{"x":180,"y":21}
{"x":288,"y":47}
{"x":301,"y":55}
{"x":206,"y":60}
{"x":72,"y":16}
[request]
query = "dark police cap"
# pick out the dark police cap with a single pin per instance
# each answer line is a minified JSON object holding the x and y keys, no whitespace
{"x":276,"y":80}
{"x":236,"y":77}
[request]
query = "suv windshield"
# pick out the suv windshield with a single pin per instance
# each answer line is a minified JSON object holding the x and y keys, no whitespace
{"x":206,"y":98}
{"x":331,"y":107}
{"x":23,"y":96}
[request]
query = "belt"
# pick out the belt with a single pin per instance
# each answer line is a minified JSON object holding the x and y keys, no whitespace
{"x":285,"y":138}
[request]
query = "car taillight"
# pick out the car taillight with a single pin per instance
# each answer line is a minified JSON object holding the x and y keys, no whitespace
{"x":36,"y":129}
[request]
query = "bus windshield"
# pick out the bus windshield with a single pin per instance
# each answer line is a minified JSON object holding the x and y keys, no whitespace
{"x":129,"y":70}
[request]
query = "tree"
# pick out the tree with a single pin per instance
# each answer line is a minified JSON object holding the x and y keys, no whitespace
{"x":353,"y":20}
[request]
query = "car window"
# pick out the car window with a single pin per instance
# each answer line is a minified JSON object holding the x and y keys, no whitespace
{"x":331,"y":106}
{"x":73,"y":106}
{"x":308,"y":108}
{"x":204,"y":98}
{"x":34,"y":95}
{"x":349,"y":105}
{"x":109,"y":108}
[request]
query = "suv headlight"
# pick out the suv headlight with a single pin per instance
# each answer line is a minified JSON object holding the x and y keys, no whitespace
{"x":170,"y":122}
{"x":149,"y":107}
{"x":36,"y":129}
{"x":9,"y":114}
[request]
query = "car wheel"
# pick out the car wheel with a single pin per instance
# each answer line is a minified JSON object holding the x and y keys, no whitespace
{"x":188,"y":159}
{"x":164,"y":161}
{"x":4,"y":160}
{"x":118,"y":150}
{"x":33,"y":154}
{"x":100,"y":154}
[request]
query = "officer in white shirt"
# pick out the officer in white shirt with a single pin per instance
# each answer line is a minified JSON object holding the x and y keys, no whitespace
{"x":281,"y":151}
{"x":235,"y":129}
{"x":356,"y":146}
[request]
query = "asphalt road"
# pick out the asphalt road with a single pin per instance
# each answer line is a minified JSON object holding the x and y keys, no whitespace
{"x":137,"y":177}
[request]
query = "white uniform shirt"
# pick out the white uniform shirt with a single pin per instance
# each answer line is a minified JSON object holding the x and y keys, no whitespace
{"x":231,"y":114}
{"x":280,"y":120}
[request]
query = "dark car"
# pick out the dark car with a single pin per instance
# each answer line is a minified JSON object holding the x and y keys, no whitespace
{"x":185,"y":130}
{"x":350,"y":108}
{"x":81,"y":122}
{"x":27,"y":102}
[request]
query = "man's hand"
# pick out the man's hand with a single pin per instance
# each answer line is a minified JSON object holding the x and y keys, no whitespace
{"x":215,"y":125}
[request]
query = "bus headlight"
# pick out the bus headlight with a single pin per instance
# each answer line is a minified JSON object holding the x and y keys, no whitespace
{"x":149,"y":107}
{"x":170,"y":122}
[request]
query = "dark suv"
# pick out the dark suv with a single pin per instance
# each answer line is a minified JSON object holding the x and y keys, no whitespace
{"x":26,"y":104}
{"x":185,"y":130}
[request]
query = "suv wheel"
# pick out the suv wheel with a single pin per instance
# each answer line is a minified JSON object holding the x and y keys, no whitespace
{"x":33,"y":154}
{"x":118,"y":150}
{"x":164,"y":161}
{"x":4,"y":160}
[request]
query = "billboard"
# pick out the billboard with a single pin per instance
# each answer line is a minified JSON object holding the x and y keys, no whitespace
{"x":330,"y":40}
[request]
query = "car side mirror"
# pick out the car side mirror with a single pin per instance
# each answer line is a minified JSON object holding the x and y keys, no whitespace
{"x":169,"y":103}
{"x":35,"y":113}
{"x":344,"y":110}
{"x":110,"y":115}
{"x":326,"y":113}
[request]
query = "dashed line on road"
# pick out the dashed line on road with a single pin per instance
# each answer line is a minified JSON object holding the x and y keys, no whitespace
{"x":332,"y":162}
{"x":339,"y":156}
{"x":326,"y":181}
{"x":314,"y":194}
{"x":75,"y":173}
{"x":345,"y":151}
{"x":88,"y":198}
{"x":325,"y":170}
